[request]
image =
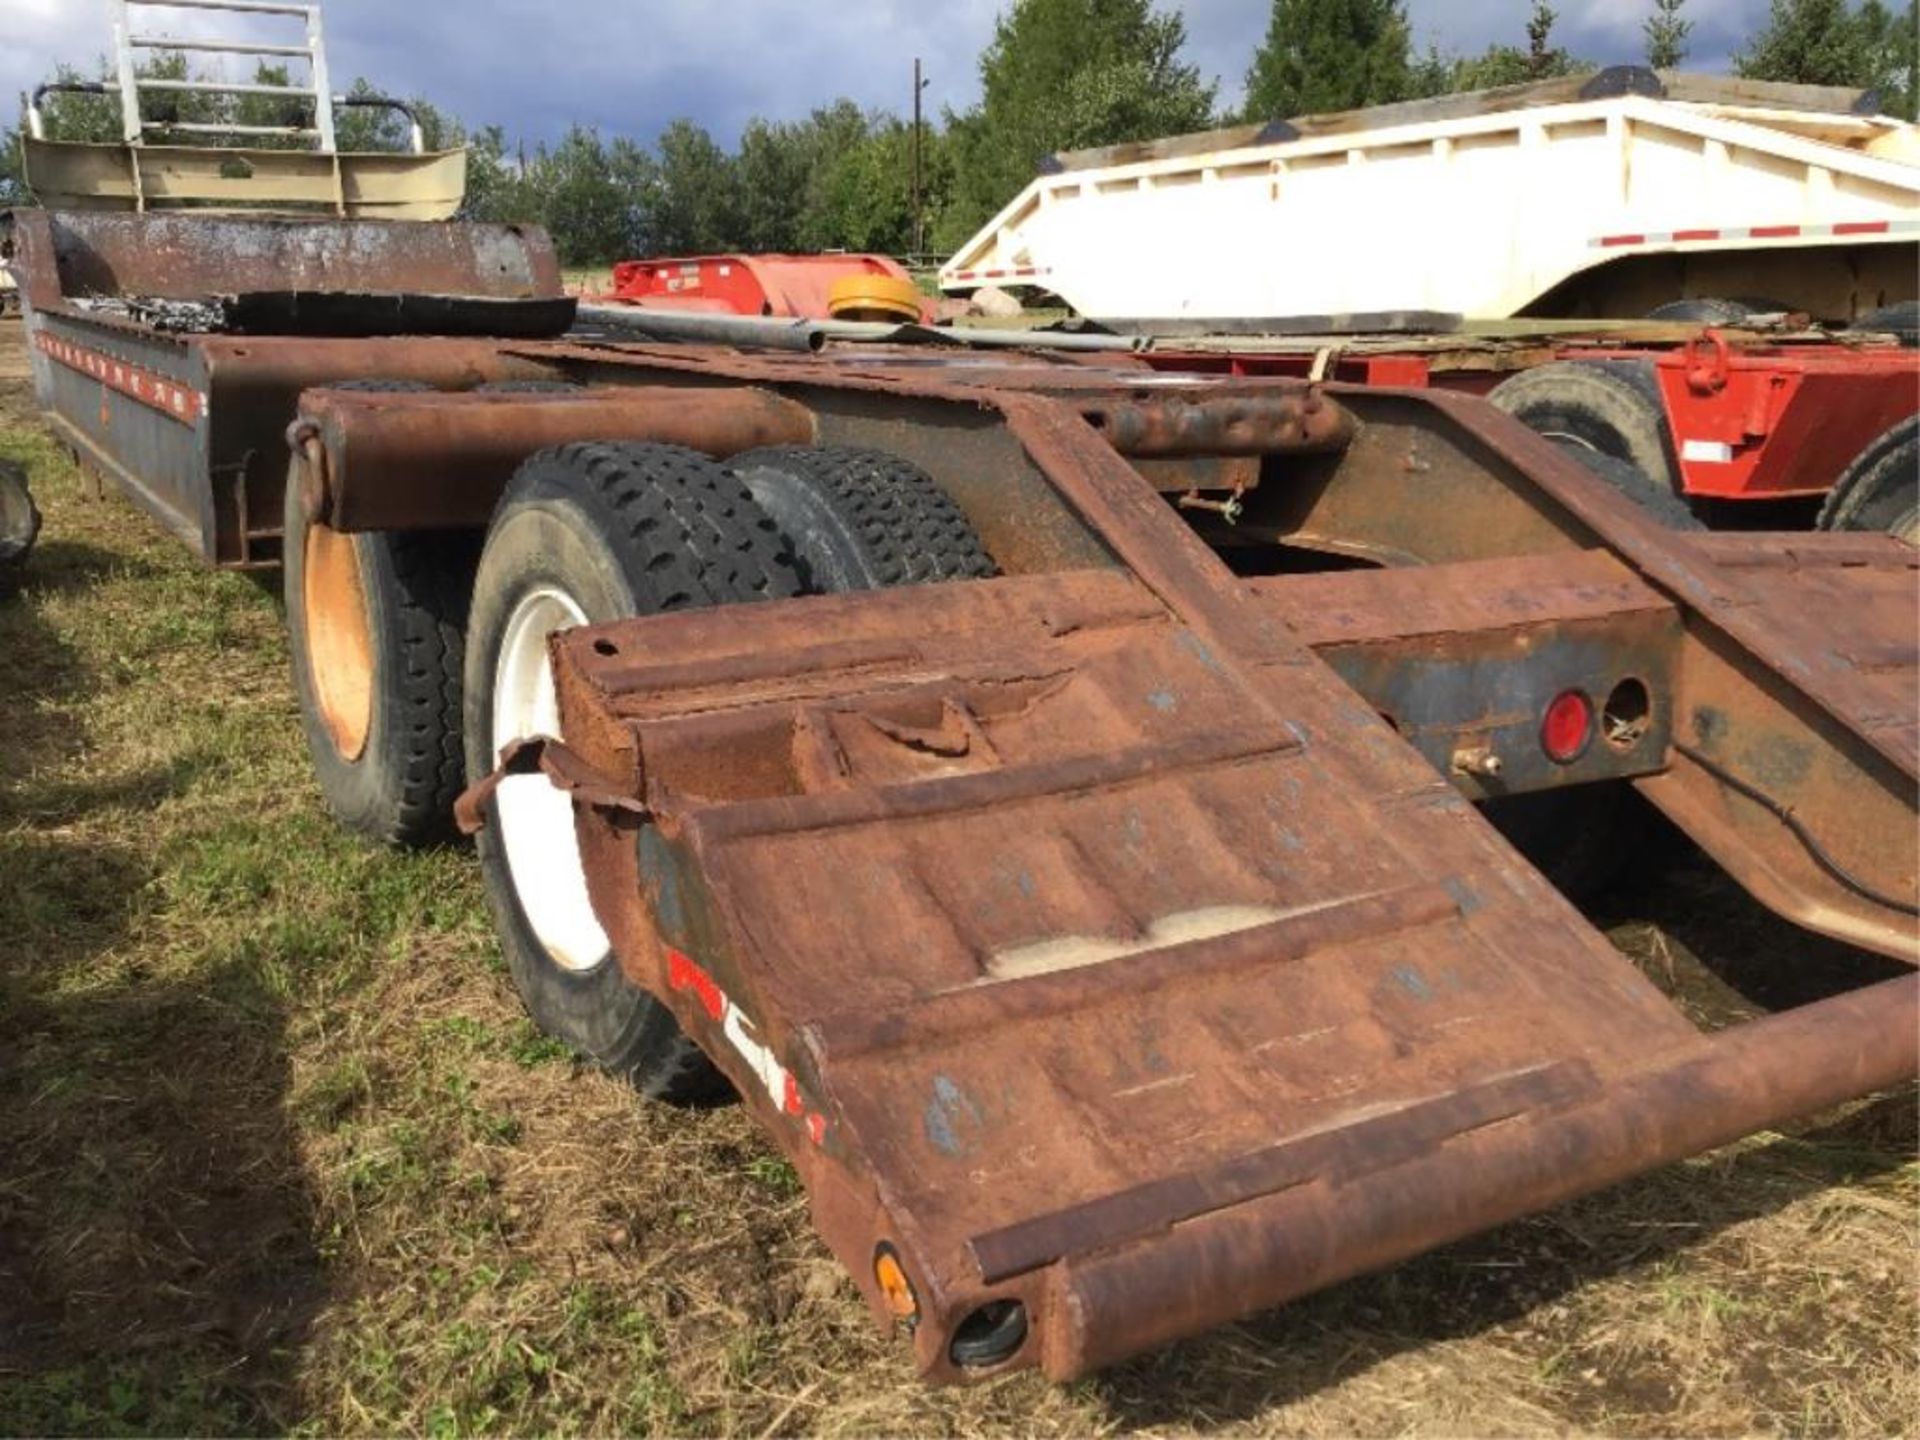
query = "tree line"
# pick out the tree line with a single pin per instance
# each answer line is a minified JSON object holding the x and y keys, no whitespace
{"x":1057,"y":75}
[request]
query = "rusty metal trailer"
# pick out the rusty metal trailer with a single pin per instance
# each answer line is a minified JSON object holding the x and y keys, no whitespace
{"x":1104,"y":906}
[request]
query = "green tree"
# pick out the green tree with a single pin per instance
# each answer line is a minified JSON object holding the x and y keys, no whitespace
{"x":95,"y":119}
{"x":1666,"y":34}
{"x":13,"y":186}
{"x":780,"y":171}
{"x":1542,"y":58}
{"x":1498,"y":65}
{"x":371,"y":127}
{"x":1064,"y":74}
{"x":866,"y":195}
{"x":1809,"y":42}
{"x":1891,"y":41}
{"x":695,"y":204}
{"x":593,"y":198}
{"x":1322,"y":55}
{"x":772,"y":172}
{"x":497,"y":190}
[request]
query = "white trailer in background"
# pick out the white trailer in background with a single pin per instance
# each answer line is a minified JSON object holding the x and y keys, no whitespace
{"x":1603,"y":196}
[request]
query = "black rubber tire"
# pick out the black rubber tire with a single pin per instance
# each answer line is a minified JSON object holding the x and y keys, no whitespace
{"x":861,"y":519}
{"x":1880,"y":490}
{"x":1705,"y":310}
{"x":400,"y":788}
{"x":1665,"y":506}
{"x":1610,"y":406}
{"x":19,"y":516}
{"x":1714,"y":310}
{"x":624,"y":529}
{"x":1901,"y":319}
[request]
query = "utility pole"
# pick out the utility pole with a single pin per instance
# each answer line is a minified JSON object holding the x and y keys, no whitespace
{"x":919,"y":222}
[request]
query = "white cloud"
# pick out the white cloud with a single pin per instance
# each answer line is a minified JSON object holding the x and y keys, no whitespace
{"x":38,"y":35}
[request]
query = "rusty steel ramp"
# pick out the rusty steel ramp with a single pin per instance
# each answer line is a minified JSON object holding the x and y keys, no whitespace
{"x":1109,"y":968}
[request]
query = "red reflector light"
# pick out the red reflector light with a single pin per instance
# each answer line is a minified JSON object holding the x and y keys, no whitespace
{"x":1567,"y":729}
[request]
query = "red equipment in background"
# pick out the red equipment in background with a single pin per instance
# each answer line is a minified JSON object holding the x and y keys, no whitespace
{"x":1749,"y":420}
{"x":795,"y":286}
{"x":1766,"y":422}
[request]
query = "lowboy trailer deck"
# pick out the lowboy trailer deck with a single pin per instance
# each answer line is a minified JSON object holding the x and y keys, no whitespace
{"x":1110,"y":916}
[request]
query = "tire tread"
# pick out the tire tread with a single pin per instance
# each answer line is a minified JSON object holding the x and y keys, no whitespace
{"x":912,"y":531}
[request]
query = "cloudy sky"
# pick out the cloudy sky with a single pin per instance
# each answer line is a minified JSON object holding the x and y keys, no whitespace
{"x":629,"y":66}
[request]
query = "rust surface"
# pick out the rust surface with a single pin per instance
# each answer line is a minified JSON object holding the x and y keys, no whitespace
{"x":1290,"y":421}
{"x":437,"y":461}
{"x":75,"y":255}
{"x":1434,"y":479}
{"x":1098,"y":946}
{"x":1139,"y":978}
{"x":1463,"y":659}
{"x":1112,"y":937}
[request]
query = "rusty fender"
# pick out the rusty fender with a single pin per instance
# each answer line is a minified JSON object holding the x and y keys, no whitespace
{"x":436,"y":461}
{"x":1294,"y":422}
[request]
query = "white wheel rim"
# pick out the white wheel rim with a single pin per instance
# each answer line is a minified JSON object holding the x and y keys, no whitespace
{"x":535,"y":820}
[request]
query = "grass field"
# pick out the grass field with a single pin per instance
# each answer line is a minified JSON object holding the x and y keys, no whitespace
{"x":279,"y":1152}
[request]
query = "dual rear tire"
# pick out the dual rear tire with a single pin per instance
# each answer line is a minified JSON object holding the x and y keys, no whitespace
{"x":599,"y":532}
{"x":376,"y":625}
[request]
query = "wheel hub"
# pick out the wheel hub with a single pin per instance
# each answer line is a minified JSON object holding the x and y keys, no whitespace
{"x":339,"y":638}
{"x":535,"y":820}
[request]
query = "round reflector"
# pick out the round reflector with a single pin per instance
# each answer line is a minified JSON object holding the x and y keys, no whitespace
{"x":1567,"y":729}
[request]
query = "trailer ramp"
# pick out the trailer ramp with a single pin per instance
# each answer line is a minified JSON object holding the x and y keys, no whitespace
{"x":1109,"y":971}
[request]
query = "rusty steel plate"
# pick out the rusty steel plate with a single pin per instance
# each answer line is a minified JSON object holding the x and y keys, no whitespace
{"x":1066,"y":952}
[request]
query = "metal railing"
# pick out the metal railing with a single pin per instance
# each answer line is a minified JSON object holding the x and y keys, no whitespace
{"x":130,"y":85}
{"x":317,"y":91}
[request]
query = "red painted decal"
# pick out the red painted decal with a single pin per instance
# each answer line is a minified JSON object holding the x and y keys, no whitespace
{"x":172,"y":399}
{"x":1696,"y":235}
{"x":683,"y":974}
{"x":1774,"y":232}
{"x":1624,"y":240}
{"x":1861,"y":227}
